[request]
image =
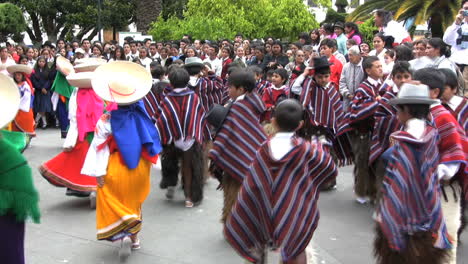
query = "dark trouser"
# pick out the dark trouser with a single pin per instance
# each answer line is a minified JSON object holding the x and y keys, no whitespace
{"x":319,"y":131}
{"x":364,"y":179}
{"x":12,"y":243}
{"x":62,"y":115}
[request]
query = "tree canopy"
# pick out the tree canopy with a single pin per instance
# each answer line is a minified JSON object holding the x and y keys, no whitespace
{"x":12,"y":22}
{"x":217,"y":19}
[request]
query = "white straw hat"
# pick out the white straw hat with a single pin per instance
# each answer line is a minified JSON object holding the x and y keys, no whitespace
{"x":19,"y":68}
{"x":122,"y":82}
{"x":413,"y":94}
{"x":64,"y":66}
{"x":9,"y":100}
{"x":88,"y":64}
{"x":80,"y":79}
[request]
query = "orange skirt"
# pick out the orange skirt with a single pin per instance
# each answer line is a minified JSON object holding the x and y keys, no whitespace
{"x":119,"y":201}
{"x":24,"y":122}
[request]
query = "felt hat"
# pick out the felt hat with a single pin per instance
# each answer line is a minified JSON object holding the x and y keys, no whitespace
{"x":19,"y":68}
{"x":9,"y":100}
{"x":216,"y":116}
{"x":339,"y":25}
{"x":193,"y":61}
{"x":80,"y":79}
{"x":413,"y":94}
{"x":122,"y":82}
{"x":64,"y":66}
{"x":321,"y":62}
{"x":88,"y":64}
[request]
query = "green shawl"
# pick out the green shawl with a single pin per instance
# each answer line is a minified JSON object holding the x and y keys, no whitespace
{"x":61,"y":85}
{"x":17,"y":193}
{"x":19,"y":140}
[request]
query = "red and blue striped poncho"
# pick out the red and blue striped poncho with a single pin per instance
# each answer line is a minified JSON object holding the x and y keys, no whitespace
{"x":323,"y":108}
{"x":240,"y":137}
{"x":386,"y":122}
{"x":262,"y":85}
{"x":181,"y":116}
{"x":210,"y":90}
{"x":154,"y":98}
{"x":410,"y":193}
{"x":277,"y":202}
{"x":462,"y":114}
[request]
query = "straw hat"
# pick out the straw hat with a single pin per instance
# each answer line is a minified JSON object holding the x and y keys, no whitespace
{"x":413,"y":94}
{"x":80,"y":79}
{"x":122,"y":82}
{"x":19,"y":68}
{"x":9,"y":100}
{"x":88,"y":64}
{"x":64,"y":66}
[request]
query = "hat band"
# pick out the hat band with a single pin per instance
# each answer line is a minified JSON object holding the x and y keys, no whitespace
{"x":113,"y":104}
{"x":121,"y":94}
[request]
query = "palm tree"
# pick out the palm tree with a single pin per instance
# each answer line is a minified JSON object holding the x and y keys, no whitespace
{"x":438,"y":13}
{"x":146,"y":12}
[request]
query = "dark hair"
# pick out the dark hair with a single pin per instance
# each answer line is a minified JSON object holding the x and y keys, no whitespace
{"x":194,"y":69}
{"x":403,"y":53}
{"x":385,"y":15}
{"x":186,"y":41}
{"x":387,"y":40}
{"x":331,"y":43}
{"x":98,"y":47}
{"x":368,"y":62}
{"x":305,"y":37}
{"x":463,"y":2}
{"x":232,"y":68}
{"x":450,"y":78}
{"x":260,"y":48}
{"x":23,"y":56}
{"x":297,"y":44}
{"x":317,"y":41}
{"x":85,"y":40}
{"x":401,"y":67}
{"x":438,"y":43}
{"x":270,"y":72}
{"x":431,"y":77}
{"x":179,"y":77}
{"x":23,"y":78}
{"x":215,"y":47}
{"x":421,"y":41}
{"x":419,"y":111}
{"x":122,"y":53}
{"x":242,"y":78}
{"x":351,"y":42}
{"x":277,"y":43}
{"x":328,"y":28}
{"x":288,"y":115}
{"x":158,"y":71}
{"x":282,"y":73}
{"x":354,"y":27}
{"x":255,"y":69}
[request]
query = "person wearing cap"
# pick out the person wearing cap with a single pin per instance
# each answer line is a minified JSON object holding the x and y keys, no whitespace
{"x":79,"y":54}
{"x":183,"y":130}
{"x":341,"y":37}
{"x":19,"y":199}
{"x":85,"y":109}
{"x":24,"y":120}
{"x":276,"y":212}
{"x":453,"y":149}
{"x":124,"y":146}
{"x":323,"y":112}
{"x":410,"y":222}
{"x":241,"y":130}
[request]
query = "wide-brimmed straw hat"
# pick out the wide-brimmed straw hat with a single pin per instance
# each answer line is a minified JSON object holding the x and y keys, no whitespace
{"x":19,"y":68}
{"x":64,"y":66}
{"x":122,"y":82}
{"x":88,"y":64}
{"x":80,"y":79}
{"x":9,"y":100}
{"x":413,"y":94}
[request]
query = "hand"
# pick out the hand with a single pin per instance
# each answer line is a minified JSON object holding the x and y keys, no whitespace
{"x":459,"y":18}
{"x":100,"y":181}
{"x":350,"y":96}
{"x":44,"y":91}
{"x":307,"y":71}
{"x":378,"y":98}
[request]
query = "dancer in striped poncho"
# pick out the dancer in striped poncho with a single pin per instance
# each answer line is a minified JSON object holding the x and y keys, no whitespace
{"x":277,"y":204}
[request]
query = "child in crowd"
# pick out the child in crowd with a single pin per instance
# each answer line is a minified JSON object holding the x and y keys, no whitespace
{"x":276,"y":92}
{"x":389,"y":59}
{"x":456,"y":104}
{"x":277,"y":206}
{"x":261,"y":84}
{"x":241,"y":130}
{"x":406,"y":234}
{"x":42,"y":95}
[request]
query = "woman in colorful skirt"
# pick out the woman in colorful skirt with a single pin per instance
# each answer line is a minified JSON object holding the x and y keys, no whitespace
{"x":19,"y":200}
{"x":125,"y":145}
{"x":64,"y":170}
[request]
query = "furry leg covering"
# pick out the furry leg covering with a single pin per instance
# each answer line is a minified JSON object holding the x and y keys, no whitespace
{"x":231,"y":188}
{"x":169,"y":166}
{"x":419,"y":250}
{"x":198,"y":170}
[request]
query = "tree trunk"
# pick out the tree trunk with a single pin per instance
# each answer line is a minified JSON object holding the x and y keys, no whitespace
{"x":147,"y":11}
{"x":435,"y":25}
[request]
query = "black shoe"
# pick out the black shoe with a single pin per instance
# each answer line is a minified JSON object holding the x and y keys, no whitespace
{"x":71,"y":192}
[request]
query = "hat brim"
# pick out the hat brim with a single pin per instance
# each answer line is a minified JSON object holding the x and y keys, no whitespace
{"x":64,"y":66}
{"x":81,"y":79}
{"x":130,"y":73}
{"x":414,"y":100}
{"x":190,"y":64}
{"x":9,"y":100}
{"x":88,"y":64}
{"x":19,"y":68}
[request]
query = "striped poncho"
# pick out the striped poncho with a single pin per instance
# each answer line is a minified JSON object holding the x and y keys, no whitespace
{"x":277,"y":203}
{"x":240,"y":136}
{"x":210,"y":90}
{"x":462,"y":114}
{"x":262,"y":85}
{"x":181,"y":116}
{"x":410,"y":194}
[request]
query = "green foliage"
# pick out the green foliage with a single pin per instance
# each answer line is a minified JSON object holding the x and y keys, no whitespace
{"x":333,"y":16}
{"x":217,"y":19}
{"x":368,"y":30}
{"x":12,"y":22}
{"x":173,"y":8}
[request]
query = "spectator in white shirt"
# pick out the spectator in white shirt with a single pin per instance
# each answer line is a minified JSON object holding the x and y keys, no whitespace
{"x":215,"y":62}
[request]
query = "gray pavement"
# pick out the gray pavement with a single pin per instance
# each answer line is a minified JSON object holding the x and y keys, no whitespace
{"x":176,"y":235}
